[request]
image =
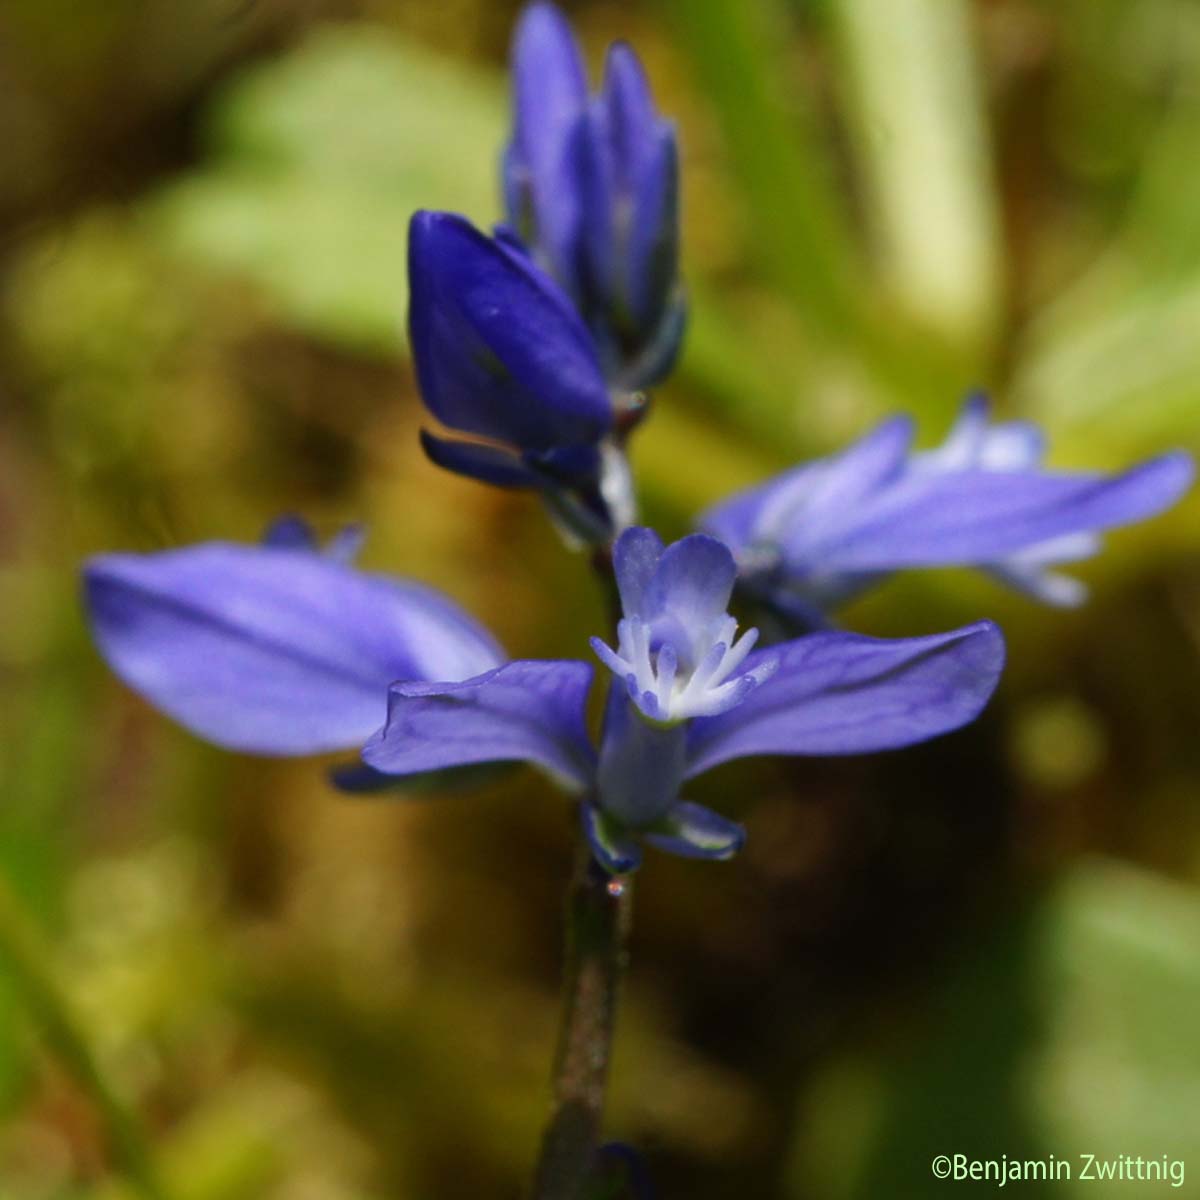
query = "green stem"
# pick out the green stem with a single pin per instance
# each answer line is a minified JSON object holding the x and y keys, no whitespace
{"x":597,"y":920}
{"x":32,"y":970}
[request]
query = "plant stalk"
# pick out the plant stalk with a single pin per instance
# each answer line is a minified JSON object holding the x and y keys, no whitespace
{"x":597,"y":924}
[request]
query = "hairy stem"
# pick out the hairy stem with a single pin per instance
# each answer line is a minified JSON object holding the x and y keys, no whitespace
{"x":597,"y":923}
{"x":28,"y":962}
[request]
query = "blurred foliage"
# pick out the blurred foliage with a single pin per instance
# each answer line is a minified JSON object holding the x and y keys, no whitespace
{"x":981,"y":946}
{"x":316,"y":161}
{"x":1064,"y":1032}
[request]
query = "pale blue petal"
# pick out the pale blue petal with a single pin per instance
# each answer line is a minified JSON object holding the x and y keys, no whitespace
{"x":526,"y":711}
{"x":692,"y":582}
{"x":635,"y":557}
{"x":978,"y":517}
{"x":841,"y":693}
{"x":270,"y":650}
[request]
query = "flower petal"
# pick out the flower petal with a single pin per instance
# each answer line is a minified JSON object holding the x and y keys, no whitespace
{"x":841,"y":693}
{"x":346,"y":545}
{"x":1038,"y":583}
{"x":629,"y":186}
{"x":549,"y":83}
{"x":600,"y":257}
{"x":801,"y":504}
{"x":656,"y":358}
{"x":963,"y":444}
{"x":614,"y":849}
{"x":549,"y":94}
{"x":635,"y":557}
{"x":833,"y":492}
{"x":632,"y":122}
{"x":692,"y":582}
{"x":974,"y":442}
{"x":693,"y":831}
{"x":476,"y":460}
{"x":356,"y":778}
{"x":1029,"y":570}
{"x":291,"y":532}
{"x":499,"y":350}
{"x":654,"y":233}
{"x":271,"y":650}
{"x":525,"y":711}
{"x":976,"y":517}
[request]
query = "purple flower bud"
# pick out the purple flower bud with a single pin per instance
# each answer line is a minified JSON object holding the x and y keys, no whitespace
{"x":504,"y":361}
{"x":591,"y":185}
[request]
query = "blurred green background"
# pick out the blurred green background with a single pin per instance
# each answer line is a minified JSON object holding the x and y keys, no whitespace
{"x":987,"y":945}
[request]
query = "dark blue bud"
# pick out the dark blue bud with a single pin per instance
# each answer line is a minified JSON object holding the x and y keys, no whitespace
{"x":502,"y":356}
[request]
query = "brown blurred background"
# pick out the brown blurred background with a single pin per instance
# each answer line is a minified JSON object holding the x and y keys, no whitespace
{"x":986,"y":945}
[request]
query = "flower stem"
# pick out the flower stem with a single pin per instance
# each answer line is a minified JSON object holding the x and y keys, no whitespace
{"x":30,"y":966}
{"x":597,"y":924}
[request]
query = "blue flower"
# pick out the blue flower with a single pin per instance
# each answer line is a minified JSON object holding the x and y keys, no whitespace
{"x":688,"y":695}
{"x":281,"y":649}
{"x":591,"y":185}
{"x":503,"y":358}
{"x":274,"y":649}
{"x":817,"y":535}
